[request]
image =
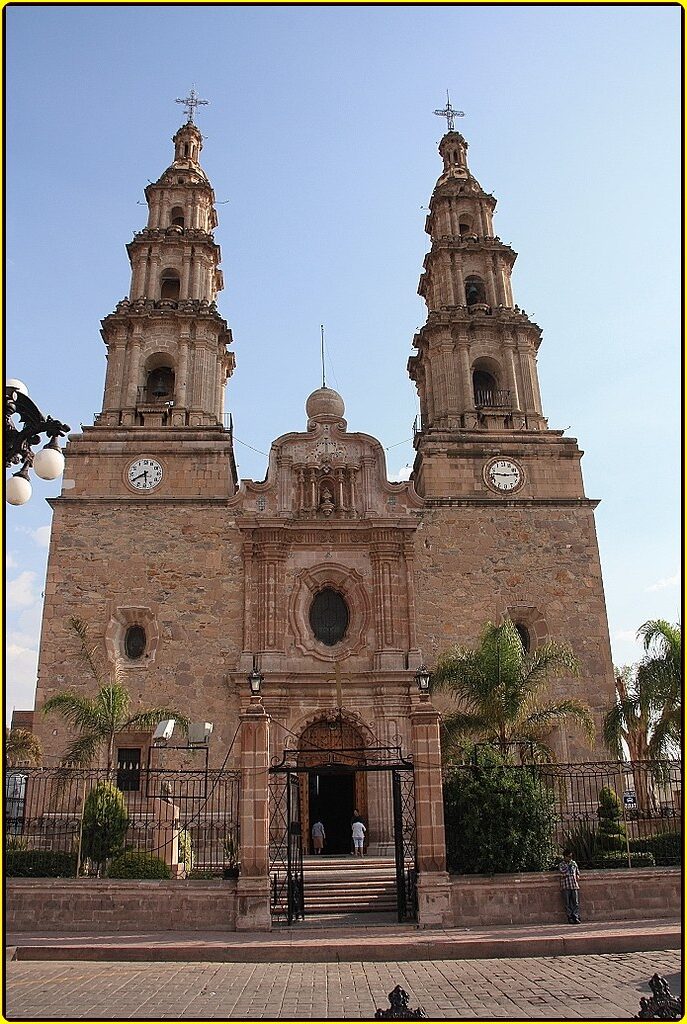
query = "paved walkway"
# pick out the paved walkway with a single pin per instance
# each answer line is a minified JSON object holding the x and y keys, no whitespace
{"x":353,"y":938}
{"x":585,"y":987}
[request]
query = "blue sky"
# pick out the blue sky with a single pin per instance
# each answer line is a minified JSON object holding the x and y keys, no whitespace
{"x":321,"y":145}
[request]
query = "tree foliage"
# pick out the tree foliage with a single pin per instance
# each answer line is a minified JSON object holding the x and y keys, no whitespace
{"x":22,"y":747}
{"x":99,"y":720}
{"x":104,"y":825}
{"x":499,"y":817}
{"x":497,"y":689}
{"x":646,"y":718}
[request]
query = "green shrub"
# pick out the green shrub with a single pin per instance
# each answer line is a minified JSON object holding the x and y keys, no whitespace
{"x":138,"y":864}
{"x":582,"y":838}
{"x":14,"y":842}
{"x":40,"y":864}
{"x":201,"y":874}
{"x":105,"y":821}
{"x":611,"y":834}
{"x":612,"y":859}
{"x":186,"y":850}
{"x":498,"y":817}
{"x":666,"y":848}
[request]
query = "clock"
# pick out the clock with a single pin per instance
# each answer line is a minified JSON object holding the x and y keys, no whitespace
{"x":144,"y":474}
{"x":504,"y":475}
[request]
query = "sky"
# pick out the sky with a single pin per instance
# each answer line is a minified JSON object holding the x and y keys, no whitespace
{"x":320,"y":142}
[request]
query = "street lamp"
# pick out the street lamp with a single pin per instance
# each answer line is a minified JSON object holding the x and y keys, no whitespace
{"x":422,"y":678}
{"x":18,"y":442}
{"x":255,"y":680}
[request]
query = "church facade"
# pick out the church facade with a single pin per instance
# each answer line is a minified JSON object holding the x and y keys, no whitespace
{"x":331,"y":582}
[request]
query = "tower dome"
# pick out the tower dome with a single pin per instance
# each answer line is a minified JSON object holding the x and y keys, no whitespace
{"x":325,"y":406}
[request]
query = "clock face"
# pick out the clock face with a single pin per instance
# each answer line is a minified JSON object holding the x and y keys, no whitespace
{"x":144,"y":474}
{"x":503,"y":475}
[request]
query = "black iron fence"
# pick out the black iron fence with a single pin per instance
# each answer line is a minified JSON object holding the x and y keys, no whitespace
{"x":188,"y":818}
{"x":610,"y":813}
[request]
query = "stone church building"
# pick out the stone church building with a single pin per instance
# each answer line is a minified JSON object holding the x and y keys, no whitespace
{"x":331,"y":582}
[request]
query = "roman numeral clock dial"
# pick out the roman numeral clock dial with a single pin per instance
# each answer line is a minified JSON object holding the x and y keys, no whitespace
{"x":504,"y":475}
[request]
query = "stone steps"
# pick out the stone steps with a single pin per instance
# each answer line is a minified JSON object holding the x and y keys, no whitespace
{"x":336,"y":885}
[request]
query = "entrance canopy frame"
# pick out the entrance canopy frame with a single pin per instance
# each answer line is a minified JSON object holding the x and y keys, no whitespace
{"x":355,"y":759}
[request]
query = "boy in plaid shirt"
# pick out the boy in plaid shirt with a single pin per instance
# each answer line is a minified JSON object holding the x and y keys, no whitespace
{"x":570,"y":887}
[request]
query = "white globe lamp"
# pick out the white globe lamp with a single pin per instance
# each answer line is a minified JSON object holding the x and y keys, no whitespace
{"x":17,"y":490}
{"x":48,"y":463}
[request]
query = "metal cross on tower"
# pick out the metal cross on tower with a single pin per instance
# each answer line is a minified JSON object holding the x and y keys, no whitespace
{"x":192,"y":101}
{"x":449,"y":113}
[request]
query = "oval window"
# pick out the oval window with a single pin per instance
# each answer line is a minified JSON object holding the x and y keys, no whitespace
{"x":329,"y":617}
{"x":135,"y":642}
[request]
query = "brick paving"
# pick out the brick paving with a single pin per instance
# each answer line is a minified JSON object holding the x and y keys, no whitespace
{"x":589,"y":987}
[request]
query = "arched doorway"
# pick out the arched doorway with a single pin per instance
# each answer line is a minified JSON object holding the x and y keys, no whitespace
{"x":332,"y":748}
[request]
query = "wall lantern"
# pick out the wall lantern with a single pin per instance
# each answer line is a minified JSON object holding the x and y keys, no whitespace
{"x":255,"y":679}
{"x":422,"y":678}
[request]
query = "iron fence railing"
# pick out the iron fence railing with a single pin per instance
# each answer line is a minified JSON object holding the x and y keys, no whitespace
{"x":646,"y":795}
{"x":189,"y":810}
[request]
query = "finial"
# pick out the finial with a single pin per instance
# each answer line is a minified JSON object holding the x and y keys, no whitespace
{"x":322,"y":352}
{"x":191,"y":101}
{"x":449,"y":113}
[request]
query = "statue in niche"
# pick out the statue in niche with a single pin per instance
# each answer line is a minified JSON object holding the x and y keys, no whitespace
{"x":326,"y":503}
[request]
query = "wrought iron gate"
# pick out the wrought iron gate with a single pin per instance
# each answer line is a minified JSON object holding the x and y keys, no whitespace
{"x":403,"y":789}
{"x":286,"y":847}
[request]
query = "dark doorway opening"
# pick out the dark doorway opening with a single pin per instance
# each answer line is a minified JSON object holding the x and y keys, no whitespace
{"x":331,"y":796}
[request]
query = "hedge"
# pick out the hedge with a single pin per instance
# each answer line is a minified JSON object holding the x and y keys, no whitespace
{"x":40,"y":864}
{"x":138,"y":864}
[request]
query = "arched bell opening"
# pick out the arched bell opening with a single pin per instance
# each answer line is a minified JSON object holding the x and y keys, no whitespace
{"x":177,"y":216}
{"x":160,"y":384}
{"x":332,"y":789}
{"x":170,"y":285}
{"x":475,"y":291}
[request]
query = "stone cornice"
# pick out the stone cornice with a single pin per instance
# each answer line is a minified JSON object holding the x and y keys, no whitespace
{"x":154,"y":308}
{"x":512,"y":502}
{"x":173,"y":233}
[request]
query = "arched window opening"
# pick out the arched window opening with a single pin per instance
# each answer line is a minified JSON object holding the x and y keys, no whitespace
{"x":475,"y":291}
{"x":170,"y":285}
{"x":465,"y":227}
{"x":186,"y":149}
{"x":160,"y":384}
{"x":135,"y":642}
{"x":485,"y":386}
{"x":177,"y":216}
{"x":524,"y":634}
{"x":329,"y":616}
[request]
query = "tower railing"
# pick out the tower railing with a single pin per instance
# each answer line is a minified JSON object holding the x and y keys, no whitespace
{"x":492,"y":398}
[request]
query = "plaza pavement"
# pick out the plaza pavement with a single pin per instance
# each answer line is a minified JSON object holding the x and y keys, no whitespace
{"x":321,"y":970}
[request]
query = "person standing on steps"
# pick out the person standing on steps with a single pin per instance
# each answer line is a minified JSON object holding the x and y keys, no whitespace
{"x":356,"y":817}
{"x":358,"y":830}
{"x":318,"y":836}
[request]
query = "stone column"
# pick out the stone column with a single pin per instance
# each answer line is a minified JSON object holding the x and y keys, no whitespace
{"x":508,"y":349}
{"x":468,"y":398}
{"x":132,"y":367}
{"x":460,"y":279}
{"x":498,"y":275}
{"x":115,"y":375}
{"x":166,"y":834}
{"x":253,"y":886}
{"x":185,"y":275}
{"x":448,"y":271}
{"x":433,"y":882}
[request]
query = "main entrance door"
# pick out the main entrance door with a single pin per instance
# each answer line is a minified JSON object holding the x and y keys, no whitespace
{"x":335,"y":784}
{"x":330,"y":783}
{"x":331,"y":799}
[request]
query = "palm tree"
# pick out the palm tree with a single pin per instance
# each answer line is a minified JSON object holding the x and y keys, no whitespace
{"x":99,"y":720}
{"x":497,"y":688}
{"x":21,"y":748}
{"x":646,"y":717}
{"x":661,"y":670}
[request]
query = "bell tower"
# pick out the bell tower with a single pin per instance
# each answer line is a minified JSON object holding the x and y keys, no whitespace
{"x":506,"y":528}
{"x":167,"y":345}
{"x":476,"y":364}
{"x":162,"y":431}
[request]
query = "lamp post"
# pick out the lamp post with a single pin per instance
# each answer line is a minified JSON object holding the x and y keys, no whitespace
{"x":18,"y":442}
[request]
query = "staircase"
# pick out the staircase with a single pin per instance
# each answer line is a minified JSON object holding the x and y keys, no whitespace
{"x":348,"y":885}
